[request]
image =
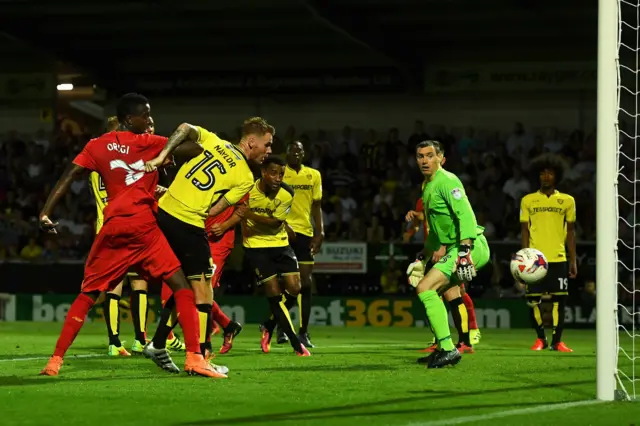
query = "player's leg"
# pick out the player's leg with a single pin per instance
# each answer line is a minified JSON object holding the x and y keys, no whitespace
{"x":474,"y":331}
{"x":280,"y":312}
{"x":559,"y":290}
{"x":305,"y":263}
{"x":159,"y":261}
{"x":104,"y":269}
{"x":230,"y":328}
{"x":453,"y":296}
{"x":168,"y":320}
{"x":111,"y":309}
{"x":533,"y":293}
{"x":292,"y":287}
{"x":139,"y":310}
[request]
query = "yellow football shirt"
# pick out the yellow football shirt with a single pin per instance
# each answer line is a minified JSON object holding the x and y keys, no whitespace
{"x":220,"y":171}
{"x":547,"y":217}
{"x":278,"y":206}
{"x":100,"y":194}
{"x":307,"y":186}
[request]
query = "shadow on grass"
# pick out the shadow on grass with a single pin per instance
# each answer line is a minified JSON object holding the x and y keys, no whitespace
{"x":343,"y":411}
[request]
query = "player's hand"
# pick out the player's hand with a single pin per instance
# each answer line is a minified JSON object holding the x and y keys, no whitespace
{"x":153,"y":165}
{"x":241,"y":210}
{"x":290,"y":233}
{"x":573,"y":269}
{"x":316,"y":243}
{"x":217,"y":229}
{"x":160,"y":190}
{"x":464,"y":264}
{"x":439,"y":254}
{"x":47,"y":225}
{"x":415,"y":272}
{"x":411,"y":215}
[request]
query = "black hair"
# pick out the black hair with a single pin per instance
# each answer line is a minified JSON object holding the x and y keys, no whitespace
{"x":548,"y":162}
{"x":295,"y":142}
{"x":273,"y":159}
{"x":128,"y":104}
{"x":435,"y":144}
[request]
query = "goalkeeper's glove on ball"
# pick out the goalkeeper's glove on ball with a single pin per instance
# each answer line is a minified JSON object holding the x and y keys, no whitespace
{"x":464,"y":264}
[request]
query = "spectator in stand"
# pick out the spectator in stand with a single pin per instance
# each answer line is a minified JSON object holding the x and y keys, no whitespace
{"x":347,"y":203}
{"x":393,"y":144}
{"x":375,"y":231}
{"x":383,"y":197}
{"x":32,"y":251}
{"x":370,"y":150}
{"x":343,"y":154}
{"x":519,"y":143}
{"x":348,"y":138}
{"x":418,"y":136}
{"x":467,"y":141}
{"x":357,"y":230}
{"x":340,"y":176}
{"x":317,"y":158}
{"x":517,"y":185}
{"x":554,"y":142}
{"x":489,"y":227}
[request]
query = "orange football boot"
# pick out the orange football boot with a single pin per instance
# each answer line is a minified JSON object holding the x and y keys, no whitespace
{"x":561,"y":347}
{"x":53,"y":366}
{"x":196,"y":365}
{"x":539,"y":345}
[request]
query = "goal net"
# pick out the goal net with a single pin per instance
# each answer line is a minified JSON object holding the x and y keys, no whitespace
{"x":618,"y":242}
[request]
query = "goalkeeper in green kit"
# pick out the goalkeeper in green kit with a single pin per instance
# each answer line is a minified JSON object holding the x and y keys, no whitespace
{"x":455,"y":247}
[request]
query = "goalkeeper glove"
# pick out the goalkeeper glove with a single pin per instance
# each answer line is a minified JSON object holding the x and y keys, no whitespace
{"x":464,"y":264}
{"x":415,"y":272}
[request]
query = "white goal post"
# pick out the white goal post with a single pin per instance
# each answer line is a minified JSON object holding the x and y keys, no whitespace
{"x":607,"y":199}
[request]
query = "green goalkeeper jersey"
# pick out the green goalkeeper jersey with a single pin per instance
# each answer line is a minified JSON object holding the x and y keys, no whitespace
{"x":448,"y":212}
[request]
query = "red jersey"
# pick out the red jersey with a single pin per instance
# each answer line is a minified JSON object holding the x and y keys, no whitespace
{"x":420,"y":208}
{"x":229,"y":235}
{"x":119,"y":158}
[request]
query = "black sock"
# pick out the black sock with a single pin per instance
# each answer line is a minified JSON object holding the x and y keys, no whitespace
{"x":557,"y":315}
{"x":139,"y":311}
{"x":460,"y":320}
{"x":111,"y":307}
{"x":206,"y":326}
{"x":166,"y":324}
{"x":283,"y":321}
{"x":305,"y":308}
{"x":536,"y":316}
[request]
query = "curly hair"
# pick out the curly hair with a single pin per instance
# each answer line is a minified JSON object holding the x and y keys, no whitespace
{"x":548,"y":162}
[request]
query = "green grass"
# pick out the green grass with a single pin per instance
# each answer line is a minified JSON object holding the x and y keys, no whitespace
{"x":355,"y":376}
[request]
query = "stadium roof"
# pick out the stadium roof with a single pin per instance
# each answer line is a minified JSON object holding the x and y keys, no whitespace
{"x":115,"y":39}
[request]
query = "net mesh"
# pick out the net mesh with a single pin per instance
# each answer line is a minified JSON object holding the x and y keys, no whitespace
{"x":628,"y":312}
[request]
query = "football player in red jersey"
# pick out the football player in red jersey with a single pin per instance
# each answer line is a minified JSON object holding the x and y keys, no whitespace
{"x":130,"y":236}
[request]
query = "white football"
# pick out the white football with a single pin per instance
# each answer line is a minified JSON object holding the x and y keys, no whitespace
{"x":529,"y":265}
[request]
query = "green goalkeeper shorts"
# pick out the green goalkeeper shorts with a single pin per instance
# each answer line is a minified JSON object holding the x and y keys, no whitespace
{"x":479,"y":254}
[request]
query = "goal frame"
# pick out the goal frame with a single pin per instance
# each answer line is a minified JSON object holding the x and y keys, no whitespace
{"x":607,"y":199}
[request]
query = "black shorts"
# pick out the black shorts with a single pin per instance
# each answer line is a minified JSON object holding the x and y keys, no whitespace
{"x":301,"y":248}
{"x":555,"y":282}
{"x":190,"y":245}
{"x":269,"y":262}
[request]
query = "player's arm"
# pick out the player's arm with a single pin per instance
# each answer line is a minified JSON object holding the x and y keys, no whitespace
{"x":234,"y":195}
{"x":571,"y":238}
{"x":454,"y":195}
{"x":57,"y":193}
{"x":188,"y":150}
{"x":278,"y":217}
{"x":524,"y":222}
{"x":185,"y":132}
{"x":316,"y":213}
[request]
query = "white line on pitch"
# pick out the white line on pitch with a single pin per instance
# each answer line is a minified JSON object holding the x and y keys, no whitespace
{"x":500,"y":414}
{"x":355,"y":346}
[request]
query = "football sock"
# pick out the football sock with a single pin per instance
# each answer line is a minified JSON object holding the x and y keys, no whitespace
{"x":304,"y":308}
{"x":289,"y":300}
{"x":536,"y":316}
{"x":557,"y":314}
{"x":111,"y":308}
{"x":139,"y":310}
{"x":206,"y":327}
{"x":73,"y":323}
{"x":460,"y":319}
{"x":471,"y":311}
{"x":281,"y":315}
{"x":218,"y":316}
{"x":165,"y":294}
{"x":168,"y":320}
{"x":438,"y":318}
{"x":188,"y":319}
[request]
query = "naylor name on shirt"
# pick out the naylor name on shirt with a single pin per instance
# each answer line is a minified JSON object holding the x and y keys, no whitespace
{"x":557,"y":210}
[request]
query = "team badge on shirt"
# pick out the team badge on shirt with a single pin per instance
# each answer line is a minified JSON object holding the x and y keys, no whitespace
{"x":456,"y":193}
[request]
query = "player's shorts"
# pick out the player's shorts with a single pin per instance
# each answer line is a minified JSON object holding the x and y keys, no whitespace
{"x":124,"y":243}
{"x":302,"y":250}
{"x":479,"y":253}
{"x":190,"y":245}
{"x":219,"y":255}
{"x":555,"y":282}
{"x":269,"y":262}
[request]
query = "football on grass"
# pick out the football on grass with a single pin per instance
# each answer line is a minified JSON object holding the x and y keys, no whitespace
{"x":529,"y":265}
